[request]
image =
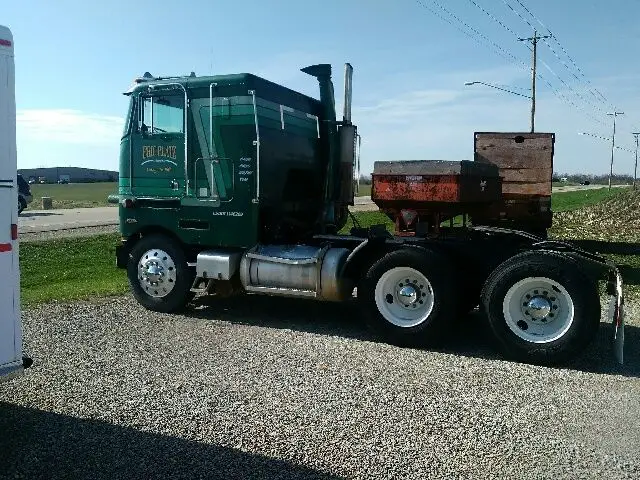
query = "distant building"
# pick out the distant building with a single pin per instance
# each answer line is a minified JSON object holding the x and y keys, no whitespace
{"x":68,"y":174}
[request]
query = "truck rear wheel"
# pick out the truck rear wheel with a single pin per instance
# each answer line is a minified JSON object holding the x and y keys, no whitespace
{"x":407,"y":296}
{"x":541,"y":307}
{"x":159,"y":276}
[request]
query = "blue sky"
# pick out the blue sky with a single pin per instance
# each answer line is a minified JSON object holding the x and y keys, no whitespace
{"x":75,"y":58}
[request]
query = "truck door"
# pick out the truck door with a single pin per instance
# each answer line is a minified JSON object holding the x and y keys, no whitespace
{"x":221,"y":201}
{"x":158,"y":145}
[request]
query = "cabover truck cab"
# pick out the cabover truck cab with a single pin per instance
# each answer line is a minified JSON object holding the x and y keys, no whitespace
{"x":11,"y":357}
{"x":234,"y":185}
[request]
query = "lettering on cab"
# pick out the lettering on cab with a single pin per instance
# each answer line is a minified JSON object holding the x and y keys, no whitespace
{"x":159,"y":151}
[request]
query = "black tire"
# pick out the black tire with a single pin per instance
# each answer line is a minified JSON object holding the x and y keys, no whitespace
{"x":569,"y":276}
{"x":438,"y":272}
{"x":22,"y":204}
{"x":181,"y":293}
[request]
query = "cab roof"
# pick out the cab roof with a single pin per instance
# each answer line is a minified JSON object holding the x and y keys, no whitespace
{"x":229,"y":85}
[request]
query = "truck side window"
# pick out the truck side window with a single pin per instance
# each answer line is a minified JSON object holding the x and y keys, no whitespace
{"x":163,"y":114}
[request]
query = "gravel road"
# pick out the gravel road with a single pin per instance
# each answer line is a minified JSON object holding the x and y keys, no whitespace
{"x":26,"y":237}
{"x":278,"y":388}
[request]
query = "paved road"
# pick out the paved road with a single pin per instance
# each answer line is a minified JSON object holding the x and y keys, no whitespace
{"x":32,"y":221}
{"x":50,"y":220}
{"x":573,"y":188}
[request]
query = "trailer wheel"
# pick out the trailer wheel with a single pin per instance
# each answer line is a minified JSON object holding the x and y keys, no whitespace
{"x":407,"y":296}
{"x":541,"y":307}
{"x":159,"y":276}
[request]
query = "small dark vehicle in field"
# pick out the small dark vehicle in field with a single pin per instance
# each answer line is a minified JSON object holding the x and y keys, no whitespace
{"x":233,"y":184}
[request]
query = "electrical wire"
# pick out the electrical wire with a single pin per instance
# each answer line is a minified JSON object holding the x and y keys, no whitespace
{"x":497,"y":47}
{"x":595,"y":92}
{"x":550,"y":70}
{"x":495,"y":19}
{"x":556,"y":92}
{"x":499,"y":50}
{"x":608,"y":140}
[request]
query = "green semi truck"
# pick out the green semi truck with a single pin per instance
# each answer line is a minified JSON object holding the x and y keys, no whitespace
{"x":235,"y":185}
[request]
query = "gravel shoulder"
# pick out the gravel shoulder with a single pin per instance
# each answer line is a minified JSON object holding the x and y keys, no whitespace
{"x":280,"y":388}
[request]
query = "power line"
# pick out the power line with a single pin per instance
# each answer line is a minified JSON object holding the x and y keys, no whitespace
{"x":497,"y":49}
{"x":595,"y":91}
{"x":546,"y":65}
{"x":549,"y":68}
{"x":608,"y":139}
{"x":554,"y":90}
{"x":439,"y":15}
{"x":480,"y":34}
{"x":493,"y":17}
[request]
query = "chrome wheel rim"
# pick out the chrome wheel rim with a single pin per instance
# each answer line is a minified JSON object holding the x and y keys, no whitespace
{"x":404,"y":297}
{"x":156,"y":273}
{"x":538,"y":309}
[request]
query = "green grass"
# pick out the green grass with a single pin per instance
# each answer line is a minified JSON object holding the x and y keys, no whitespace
{"x":567,"y":201}
{"x":367,"y":219}
{"x":365,"y":191}
{"x":73,"y":195}
{"x":70,"y":269}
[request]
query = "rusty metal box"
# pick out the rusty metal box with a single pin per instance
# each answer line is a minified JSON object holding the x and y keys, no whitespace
{"x":423,"y":182}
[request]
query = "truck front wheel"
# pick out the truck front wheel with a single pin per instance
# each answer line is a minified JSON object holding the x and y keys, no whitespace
{"x":407,"y":296}
{"x":541,"y":307}
{"x":159,"y":276}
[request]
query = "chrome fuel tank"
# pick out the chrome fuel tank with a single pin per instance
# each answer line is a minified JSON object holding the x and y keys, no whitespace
{"x":296,"y":270}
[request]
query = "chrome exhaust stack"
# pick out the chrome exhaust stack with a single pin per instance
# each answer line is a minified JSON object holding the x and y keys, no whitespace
{"x":348,"y":93}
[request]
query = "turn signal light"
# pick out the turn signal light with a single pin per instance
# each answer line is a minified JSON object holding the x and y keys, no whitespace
{"x":14,"y":231}
{"x":128,"y":203}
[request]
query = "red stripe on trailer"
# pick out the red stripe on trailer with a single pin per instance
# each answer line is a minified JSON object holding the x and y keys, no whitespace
{"x":5,"y":247}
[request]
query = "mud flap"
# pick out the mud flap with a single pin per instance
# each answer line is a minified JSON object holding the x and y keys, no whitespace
{"x":616,"y":315}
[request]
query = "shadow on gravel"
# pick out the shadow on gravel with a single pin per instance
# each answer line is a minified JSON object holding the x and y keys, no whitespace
{"x":37,"y":444}
{"x":469,"y":336}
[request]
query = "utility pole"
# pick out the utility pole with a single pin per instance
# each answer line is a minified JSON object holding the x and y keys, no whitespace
{"x":534,"y":41}
{"x":613,"y":142}
{"x":635,"y":168}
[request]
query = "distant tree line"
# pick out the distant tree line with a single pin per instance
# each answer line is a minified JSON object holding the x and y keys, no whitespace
{"x":602,"y":179}
{"x":365,"y":179}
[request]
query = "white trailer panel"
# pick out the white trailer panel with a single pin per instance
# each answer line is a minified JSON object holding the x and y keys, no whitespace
{"x":11,"y":358}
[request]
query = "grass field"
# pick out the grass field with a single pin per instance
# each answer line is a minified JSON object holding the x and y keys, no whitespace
{"x":365,"y":191}
{"x":70,"y":269}
{"x":567,"y":201}
{"x":73,"y":195}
